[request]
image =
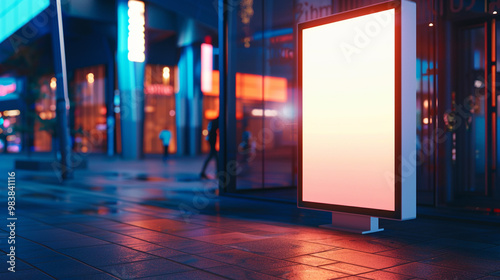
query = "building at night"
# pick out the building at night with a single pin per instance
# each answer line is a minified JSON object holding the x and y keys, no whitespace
{"x":136,"y":68}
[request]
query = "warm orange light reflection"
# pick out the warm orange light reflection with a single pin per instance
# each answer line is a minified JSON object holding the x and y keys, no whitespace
{"x":211,"y":114}
{"x":348,"y":112}
{"x":249,"y":87}
{"x":215,"y":85}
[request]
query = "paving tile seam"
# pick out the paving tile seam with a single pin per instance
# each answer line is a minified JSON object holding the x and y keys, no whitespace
{"x":115,"y":207}
{"x":355,"y":273}
{"x":311,"y":266}
{"x":110,"y":196}
{"x":33,"y":186}
{"x":381,"y":251}
{"x":155,"y":256}
{"x":131,"y":199}
{"x":70,"y":257}
{"x":255,"y":271}
{"x":195,"y":268}
{"x":206,"y":271}
{"x":208,"y":243}
{"x":454,"y":268}
{"x":432,"y":274}
{"x":110,"y":219}
{"x":116,"y":232}
{"x":383,"y":270}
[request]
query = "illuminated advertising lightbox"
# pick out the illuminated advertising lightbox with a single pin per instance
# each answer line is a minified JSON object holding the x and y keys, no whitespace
{"x":9,"y":88}
{"x":357,"y":111}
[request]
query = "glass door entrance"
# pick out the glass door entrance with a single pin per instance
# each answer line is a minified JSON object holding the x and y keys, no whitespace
{"x":474,"y":117}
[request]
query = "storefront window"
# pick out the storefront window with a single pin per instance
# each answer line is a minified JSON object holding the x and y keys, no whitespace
{"x":457,"y":100}
{"x":89,"y":130}
{"x":45,"y":121}
{"x":159,"y":108}
{"x":10,"y":140}
{"x":210,"y":109}
{"x":262,"y":44}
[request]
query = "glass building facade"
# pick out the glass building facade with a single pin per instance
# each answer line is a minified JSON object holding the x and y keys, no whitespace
{"x":457,"y":111}
{"x":237,"y":60}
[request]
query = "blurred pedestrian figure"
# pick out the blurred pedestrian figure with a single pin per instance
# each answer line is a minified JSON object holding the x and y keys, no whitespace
{"x":246,"y":149}
{"x":212,"y":128}
{"x":165,"y":136}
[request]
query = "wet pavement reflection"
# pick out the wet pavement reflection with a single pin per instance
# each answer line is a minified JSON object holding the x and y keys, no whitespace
{"x":144,"y":220}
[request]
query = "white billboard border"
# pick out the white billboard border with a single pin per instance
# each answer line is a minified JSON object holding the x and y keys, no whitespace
{"x":405,"y":118}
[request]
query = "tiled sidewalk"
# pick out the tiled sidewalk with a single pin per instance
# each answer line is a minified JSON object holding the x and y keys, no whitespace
{"x":111,"y":222}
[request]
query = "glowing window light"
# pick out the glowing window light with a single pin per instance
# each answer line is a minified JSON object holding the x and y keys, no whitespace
{"x":288,"y":112}
{"x":166,"y":73}
{"x":257,"y":112}
{"x":211,"y":114}
{"x":265,"y":113}
{"x":215,"y":84}
{"x":425,"y":120}
{"x":11,"y":113}
{"x":136,"y":29}
{"x":426,"y":104}
{"x":249,"y":86}
{"x":206,"y":67}
{"x":53,"y":83}
{"x":90,"y":78}
{"x":103,"y":110}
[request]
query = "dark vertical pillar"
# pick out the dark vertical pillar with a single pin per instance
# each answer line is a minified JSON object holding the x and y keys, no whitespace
{"x":445,"y":88}
{"x":189,"y":101}
{"x":490,"y":61}
{"x":227,"y":97}
{"x":62,"y":100}
{"x":444,"y":187}
{"x":131,"y":87}
{"x":110,"y":97}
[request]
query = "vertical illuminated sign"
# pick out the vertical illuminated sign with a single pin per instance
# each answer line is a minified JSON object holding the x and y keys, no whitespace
{"x":136,"y":29}
{"x":357,"y":110}
{"x":206,"y":67}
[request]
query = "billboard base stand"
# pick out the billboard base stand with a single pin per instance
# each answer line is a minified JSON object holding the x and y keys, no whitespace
{"x":353,"y":223}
